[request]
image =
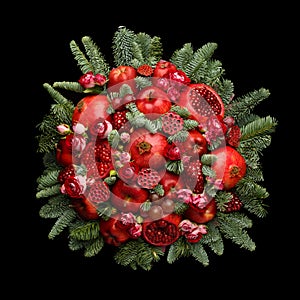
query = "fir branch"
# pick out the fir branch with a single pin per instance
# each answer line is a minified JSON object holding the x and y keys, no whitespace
{"x":203,"y":54}
{"x":48,"y":179}
{"x":258,"y":127}
{"x":122,"y":46}
{"x":64,"y":108}
{"x":208,"y":171}
{"x":142,"y":82}
{"x":181,"y":111}
{"x":70,"y":86}
{"x":210,"y":73}
{"x":93,"y":247}
{"x":181,"y":57}
{"x":155,"y":51}
{"x":85,"y":231}
{"x":255,"y":174}
{"x":82,"y":61}
{"x":180,"y":248}
{"x":146,"y":50}
{"x":199,"y":253}
{"x":141,"y":46}
{"x":60,"y":113}
{"x":222,"y":198}
{"x":233,"y":225}
{"x":49,"y":161}
{"x":124,"y":90}
{"x":62,"y":222}
{"x":180,"y":136}
{"x":175,"y":166}
{"x":213,"y":238}
{"x":208,"y":159}
{"x":97,"y":60}
{"x":190,"y":124}
{"x":252,"y":195}
{"x":242,"y":106}
{"x":180,"y":207}
{"x":75,"y":244}
{"x":56,"y":206}
{"x":138,"y":254}
{"x":49,"y":191}
{"x":245,"y":119}
{"x":225,"y":90}
{"x":158,"y":189}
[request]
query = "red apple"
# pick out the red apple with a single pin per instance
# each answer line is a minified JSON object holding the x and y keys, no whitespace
{"x":163,"y":68}
{"x":171,"y":181}
{"x":113,"y":231}
{"x":195,"y":144}
{"x":128,"y":198}
{"x":121,"y":74}
{"x":85,"y":209}
{"x":201,"y":215}
{"x":153,"y":102}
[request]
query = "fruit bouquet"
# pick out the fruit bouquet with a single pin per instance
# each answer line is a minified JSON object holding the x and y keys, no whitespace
{"x":154,"y":157}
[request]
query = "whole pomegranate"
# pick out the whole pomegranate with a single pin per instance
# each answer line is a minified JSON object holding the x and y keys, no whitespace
{"x":230,"y":166}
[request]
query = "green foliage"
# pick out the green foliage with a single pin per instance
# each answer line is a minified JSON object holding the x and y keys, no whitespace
{"x":122,"y":47}
{"x":55,"y":207}
{"x":225,"y":90}
{"x":233,"y":227}
{"x":190,"y":124}
{"x":48,"y":179}
{"x":181,"y":248}
{"x":213,"y":239}
{"x":175,"y":166}
{"x":181,"y":111}
{"x":70,"y":86}
{"x":146,"y":50}
{"x":97,"y":59}
{"x":253,"y":196}
{"x":197,"y":64}
{"x":138,"y":254}
{"x":63,"y":222}
{"x":244,"y":105}
{"x":49,"y":191}
{"x":60,"y":113}
{"x":85,"y":231}
{"x":92,"y":60}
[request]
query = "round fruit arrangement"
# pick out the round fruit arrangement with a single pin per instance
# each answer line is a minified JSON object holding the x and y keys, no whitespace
{"x":156,"y":157}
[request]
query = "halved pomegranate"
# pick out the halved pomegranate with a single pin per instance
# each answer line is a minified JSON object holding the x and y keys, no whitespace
{"x":202,"y":101}
{"x":162,"y":232}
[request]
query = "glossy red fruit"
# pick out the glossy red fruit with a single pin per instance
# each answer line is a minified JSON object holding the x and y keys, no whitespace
{"x":64,"y":153}
{"x":128,"y":198}
{"x":163,"y":68}
{"x":171,"y":182}
{"x":202,"y":101}
{"x":230,"y":166}
{"x":90,"y":109}
{"x":121,"y":74}
{"x":195,"y":144}
{"x":147,"y":149}
{"x":162,"y":232}
{"x":153,"y":102}
{"x":201,"y":215}
{"x":114,"y":232}
{"x":84,"y":209}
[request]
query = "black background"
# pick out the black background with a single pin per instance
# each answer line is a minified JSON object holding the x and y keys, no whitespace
{"x":253,"y":47}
